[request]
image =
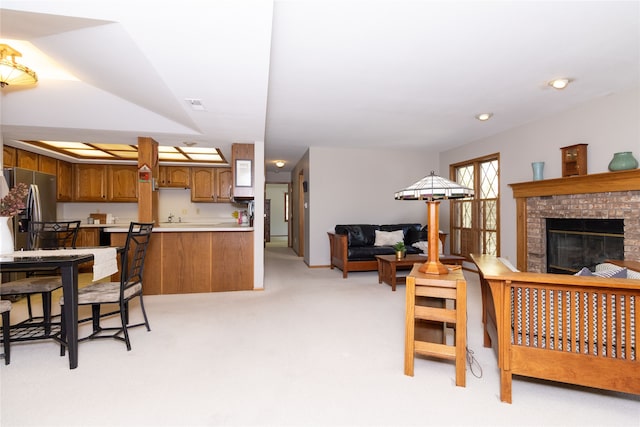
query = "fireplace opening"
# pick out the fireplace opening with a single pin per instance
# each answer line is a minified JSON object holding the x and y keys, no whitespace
{"x":576,"y":243}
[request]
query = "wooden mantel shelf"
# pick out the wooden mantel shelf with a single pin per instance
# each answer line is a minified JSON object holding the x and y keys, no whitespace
{"x":579,"y":184}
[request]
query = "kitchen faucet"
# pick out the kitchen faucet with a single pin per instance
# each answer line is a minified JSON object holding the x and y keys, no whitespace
{"x":171,"y":217}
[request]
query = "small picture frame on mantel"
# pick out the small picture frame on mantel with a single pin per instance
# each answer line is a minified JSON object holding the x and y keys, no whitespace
{"x":574,"y":160}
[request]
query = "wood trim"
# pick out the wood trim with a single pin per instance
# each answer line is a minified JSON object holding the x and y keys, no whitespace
{"x":579,"y":184}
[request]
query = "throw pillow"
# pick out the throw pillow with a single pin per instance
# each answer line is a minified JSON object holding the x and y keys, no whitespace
{"x":584,"y":272}
{"x":424,"y":246}
{"x":620,"y":273}
{"x":615,"y":272}
{"x":632,"y":274}
{"x":388,"y":238}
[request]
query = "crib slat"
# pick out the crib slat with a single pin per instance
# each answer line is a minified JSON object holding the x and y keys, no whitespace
{"x":547,"y":326}
{"x":627,"y":327}
{"x":571,"y":337}
{"x":609,"y":326}
{"x":600,"y":325}
{"x":556,"y":318}
{"x":591,"y":299}
{"x":617,"y":298}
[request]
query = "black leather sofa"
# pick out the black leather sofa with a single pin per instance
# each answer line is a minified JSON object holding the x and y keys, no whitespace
{"x":352,"y":245}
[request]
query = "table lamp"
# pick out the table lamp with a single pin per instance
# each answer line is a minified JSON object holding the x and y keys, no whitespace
{"x":433,"y":188}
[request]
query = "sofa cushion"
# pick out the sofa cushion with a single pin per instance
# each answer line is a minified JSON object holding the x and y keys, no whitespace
{"x":368,"y":253}
{"x":388,"y":238}
{"x":358,"y":234}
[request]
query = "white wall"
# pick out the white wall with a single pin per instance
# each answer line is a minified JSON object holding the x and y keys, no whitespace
{"x":610,"y":124}
{"x":356,"y":186}
{"x":170,"y":200}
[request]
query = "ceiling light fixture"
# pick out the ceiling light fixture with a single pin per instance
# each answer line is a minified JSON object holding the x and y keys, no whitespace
{"x":12,"y":73}
{"x":279,"y":163}
{"x":483,"y":117}
{"x":559,"y":83}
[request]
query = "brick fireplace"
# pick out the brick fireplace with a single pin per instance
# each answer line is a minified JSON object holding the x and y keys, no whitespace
{"x":613,"y":195}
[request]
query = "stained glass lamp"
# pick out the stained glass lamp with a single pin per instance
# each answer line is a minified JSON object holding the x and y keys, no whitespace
{"x":432,"y":189}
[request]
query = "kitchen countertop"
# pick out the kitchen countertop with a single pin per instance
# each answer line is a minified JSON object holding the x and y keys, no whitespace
{"x":165,"y":227}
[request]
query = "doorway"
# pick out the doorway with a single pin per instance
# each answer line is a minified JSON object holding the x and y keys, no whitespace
{"x":277,"y":222}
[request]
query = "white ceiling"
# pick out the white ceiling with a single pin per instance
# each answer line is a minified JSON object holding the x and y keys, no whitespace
{"x":299,"y":74}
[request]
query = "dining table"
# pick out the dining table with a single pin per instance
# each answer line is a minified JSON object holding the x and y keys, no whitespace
{"x":67,"y":261}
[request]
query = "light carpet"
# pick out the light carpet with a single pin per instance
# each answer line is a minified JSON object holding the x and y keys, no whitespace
{"x":312,"y":349}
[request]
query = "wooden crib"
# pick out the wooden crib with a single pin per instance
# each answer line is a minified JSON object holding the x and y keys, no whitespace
{"x":577,"y":330}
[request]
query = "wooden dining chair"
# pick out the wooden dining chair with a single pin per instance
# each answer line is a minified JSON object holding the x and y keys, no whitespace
{"x":43,"y":235}
{"x":5,"y":309}
{"x":129,"y":287}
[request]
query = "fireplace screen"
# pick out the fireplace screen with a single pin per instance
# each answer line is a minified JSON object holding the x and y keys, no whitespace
{"x":576,"y":243}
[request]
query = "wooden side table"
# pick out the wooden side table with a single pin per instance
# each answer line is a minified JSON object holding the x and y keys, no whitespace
{"x":453,"y":287}
{"x":388,"y":265}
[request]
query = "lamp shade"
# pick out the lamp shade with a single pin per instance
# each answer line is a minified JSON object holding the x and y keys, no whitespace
{"x":12,"y":73}
{"x":432,"y":189}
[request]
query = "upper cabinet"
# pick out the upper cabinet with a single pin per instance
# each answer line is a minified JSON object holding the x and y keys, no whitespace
{"x":211,"y":185}
{"x":242,"y":159}
{"x":122,"y":183}
{"x":9,"y":155}
{"x":47,"y":165}
{"x":90,"y":183}
{"x":224,"y":184}
{"x":105,"y":183}
{"x":64,"y":181}
{"x":27,"y":160}
{"x":175,"y":176}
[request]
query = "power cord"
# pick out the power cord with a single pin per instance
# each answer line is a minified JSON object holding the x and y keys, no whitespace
{"x":474,"y":365}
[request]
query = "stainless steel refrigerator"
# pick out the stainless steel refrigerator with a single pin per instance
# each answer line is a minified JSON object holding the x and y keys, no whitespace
{"x":41,"y":201}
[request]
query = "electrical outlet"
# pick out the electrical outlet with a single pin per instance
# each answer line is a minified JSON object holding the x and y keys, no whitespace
{"x":184,"y":211}
{"x":197,"y":211}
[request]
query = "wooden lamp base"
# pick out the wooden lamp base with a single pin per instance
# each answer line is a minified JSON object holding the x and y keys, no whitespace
{"x":433,"y":264}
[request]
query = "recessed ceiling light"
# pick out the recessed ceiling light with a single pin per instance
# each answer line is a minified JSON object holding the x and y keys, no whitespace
{"x":279,"y":163}
{"x":559,"y":83}
{"x":483,"y":117}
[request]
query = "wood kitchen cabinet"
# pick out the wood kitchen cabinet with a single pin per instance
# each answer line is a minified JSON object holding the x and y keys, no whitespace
{"x":211,"y":185}
{"x":195,"y":262}
{"x":64,"y":181}
{"x":122,"y":183}
{"x":175,"y":176}
{"x":47,"y":165}
{"x":223,"y":184}
{"x":90,"y":183}
{"x":88,"y":237}
{"x":26,"y":159}
{"x":9,"y":155}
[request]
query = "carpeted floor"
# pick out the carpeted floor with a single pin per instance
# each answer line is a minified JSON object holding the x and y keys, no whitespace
{"x":311,"y":349}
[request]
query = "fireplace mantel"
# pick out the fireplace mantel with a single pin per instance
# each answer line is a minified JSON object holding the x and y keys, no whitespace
{"x":583,"y":184}
{"x":579,"y":184}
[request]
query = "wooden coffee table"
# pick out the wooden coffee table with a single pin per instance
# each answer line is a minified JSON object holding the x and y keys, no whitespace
{"x":388,"y":265}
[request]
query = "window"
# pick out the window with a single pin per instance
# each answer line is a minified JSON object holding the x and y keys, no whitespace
{"x":475,"y":223}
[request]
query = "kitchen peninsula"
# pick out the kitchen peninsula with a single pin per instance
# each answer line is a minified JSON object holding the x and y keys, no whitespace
{"x":193,"y":257}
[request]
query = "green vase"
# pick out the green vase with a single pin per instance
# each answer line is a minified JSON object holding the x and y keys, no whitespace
{"x":623,"y":161}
